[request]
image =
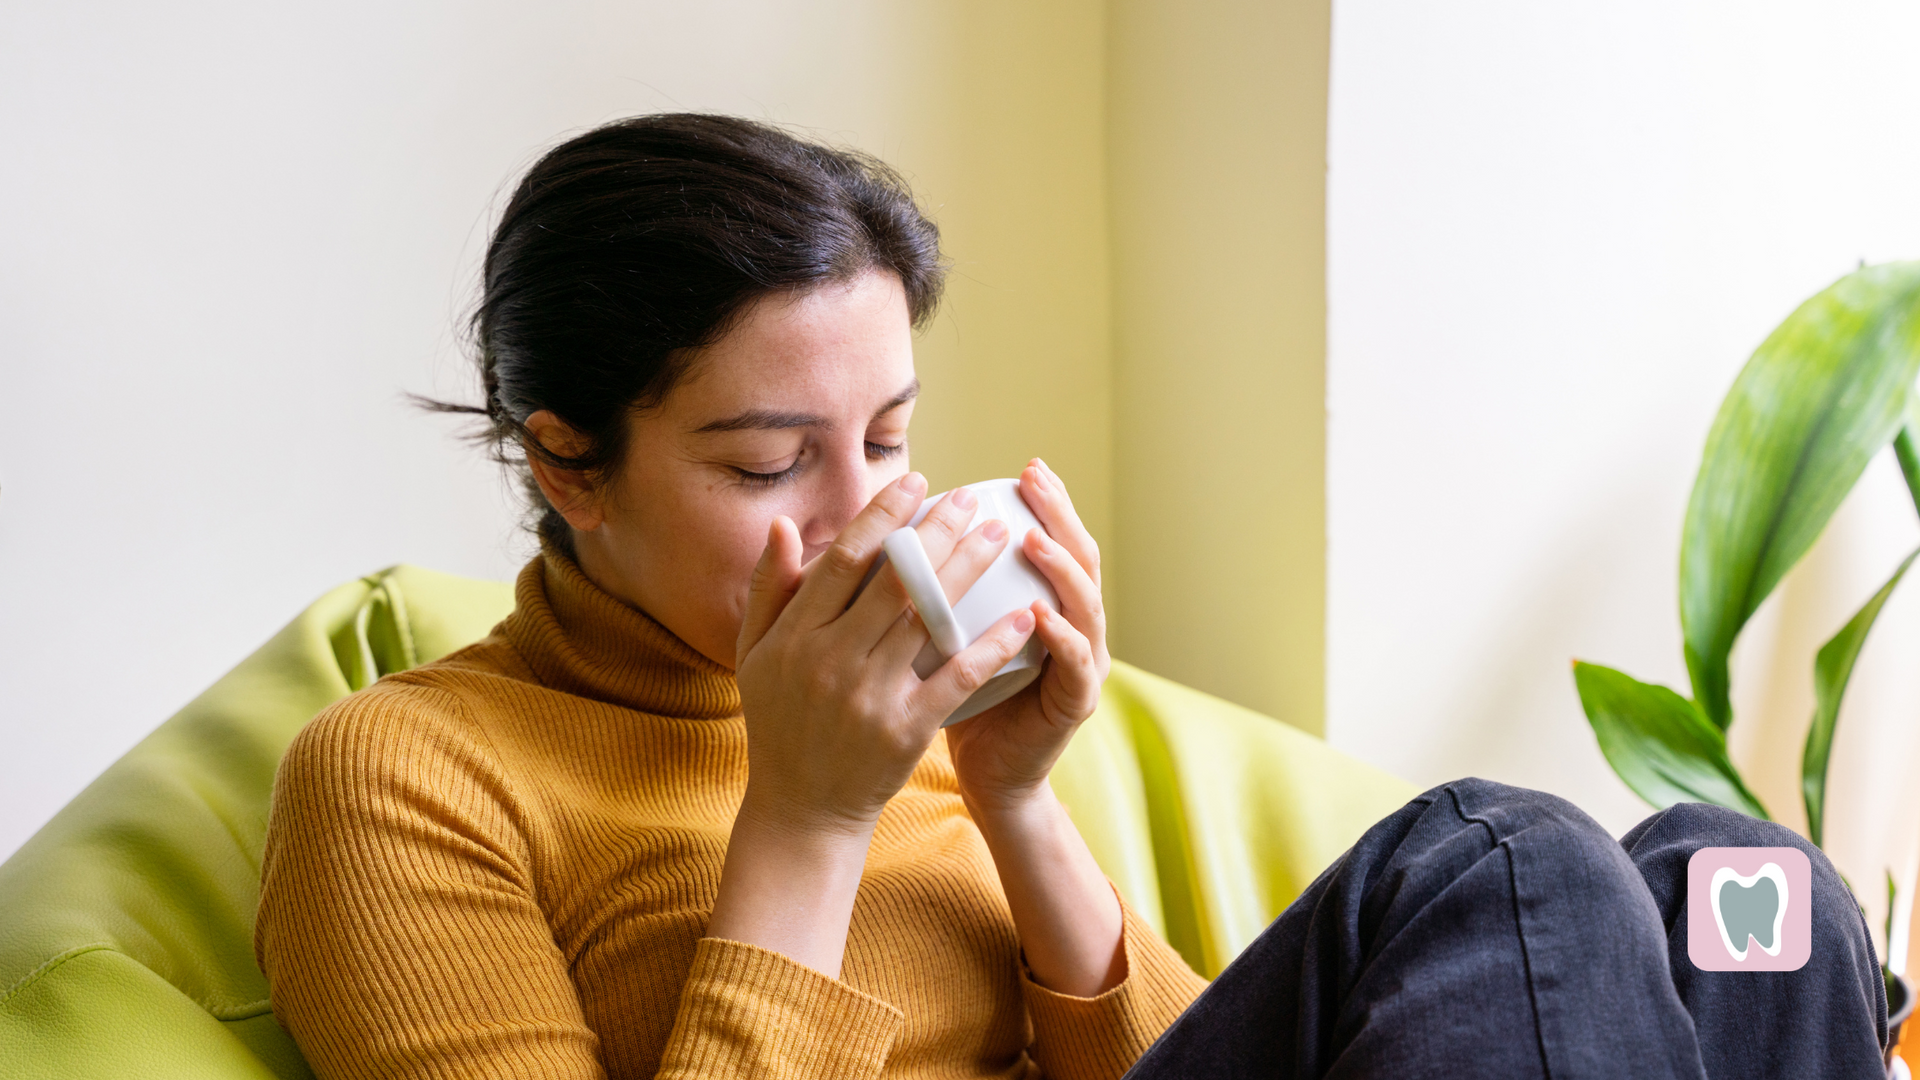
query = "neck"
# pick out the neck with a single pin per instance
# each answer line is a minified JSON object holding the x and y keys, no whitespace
{"x":612,"y":568}
{"x":582,"y":639}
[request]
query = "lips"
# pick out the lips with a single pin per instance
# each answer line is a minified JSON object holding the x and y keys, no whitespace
{"x":1748,"y":909}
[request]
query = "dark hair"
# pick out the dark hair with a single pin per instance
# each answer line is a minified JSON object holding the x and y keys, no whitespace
{"x":626,"y":249}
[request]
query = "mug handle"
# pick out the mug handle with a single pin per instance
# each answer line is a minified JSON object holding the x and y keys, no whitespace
{"x":916,"y":572}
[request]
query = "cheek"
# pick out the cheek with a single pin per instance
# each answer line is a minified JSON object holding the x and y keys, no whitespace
{"x":886,"y":471}
{"x":704,"y":544}
{"x":743,"y":550}
{"x":710,"y":574}
{"x":736,"y":539}
{"x":732,"y":546}
{"x":870,"y":474}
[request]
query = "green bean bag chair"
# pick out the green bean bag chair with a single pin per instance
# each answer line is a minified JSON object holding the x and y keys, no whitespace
{"x":126,"y":924}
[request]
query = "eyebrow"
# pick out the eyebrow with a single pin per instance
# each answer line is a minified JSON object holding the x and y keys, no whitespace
{"x":775,"y":420}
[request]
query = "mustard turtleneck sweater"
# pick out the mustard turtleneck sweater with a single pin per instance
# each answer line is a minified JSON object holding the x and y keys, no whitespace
{"x":502,"y":864}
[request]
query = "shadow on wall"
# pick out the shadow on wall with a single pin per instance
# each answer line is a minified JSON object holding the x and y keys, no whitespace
{"x":1506,"y":723}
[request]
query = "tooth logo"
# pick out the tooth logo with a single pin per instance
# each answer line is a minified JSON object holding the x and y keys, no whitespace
{"x":1747,"y":909}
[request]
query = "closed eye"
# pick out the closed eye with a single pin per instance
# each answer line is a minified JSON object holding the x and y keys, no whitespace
{"x":767,"y":479}
{"x":876,"y":451}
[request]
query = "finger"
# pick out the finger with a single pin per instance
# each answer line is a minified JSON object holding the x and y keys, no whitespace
{"x":877,"y":609}
{"x":837,"y":573}
{"x":961,"y":675}
{"x":775,"y":579}
{"x":940,"y":531}
{"x":971,"y":557}
{"x":1075,"y":667}
{"x":975,"y":552}
{"x":1079,"y":594}
{"x":1047,"y":497}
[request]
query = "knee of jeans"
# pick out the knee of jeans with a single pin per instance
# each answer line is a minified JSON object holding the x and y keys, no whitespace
{"x":1511,"y":810}
{"x":1549,"y":833}
{"x":1706,"y":825}
{"x":1662,"y":845}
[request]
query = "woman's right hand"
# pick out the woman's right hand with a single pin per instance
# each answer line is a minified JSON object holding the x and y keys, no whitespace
{"x":836,"y":718}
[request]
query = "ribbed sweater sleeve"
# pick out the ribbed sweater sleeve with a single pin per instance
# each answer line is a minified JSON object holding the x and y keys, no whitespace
{"x":1099,"y":1038}
{"x":749,"y":1011}
{"x":398,"y":925}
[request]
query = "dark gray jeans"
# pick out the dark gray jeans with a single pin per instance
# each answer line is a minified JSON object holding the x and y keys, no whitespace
{"x":1486,"y":930}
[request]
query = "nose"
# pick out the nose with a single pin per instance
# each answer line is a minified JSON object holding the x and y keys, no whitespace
{"x":843,"y":488}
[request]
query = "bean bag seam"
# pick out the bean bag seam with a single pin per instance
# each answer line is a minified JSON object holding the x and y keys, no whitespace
{"x":47,"y":968}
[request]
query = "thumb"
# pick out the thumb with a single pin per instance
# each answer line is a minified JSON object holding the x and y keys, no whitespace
{"x":970,"y":669}
{"x":775,"y":579}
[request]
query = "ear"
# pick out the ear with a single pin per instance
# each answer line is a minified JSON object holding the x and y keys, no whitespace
{"x":570,"y":491}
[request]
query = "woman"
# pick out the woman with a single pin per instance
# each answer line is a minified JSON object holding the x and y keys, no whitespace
{"x":689,"y":812}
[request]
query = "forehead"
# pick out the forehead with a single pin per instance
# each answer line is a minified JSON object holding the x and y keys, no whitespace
{"x":838,"y":347}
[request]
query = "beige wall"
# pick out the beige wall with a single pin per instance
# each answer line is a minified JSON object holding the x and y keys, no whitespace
{"x":1008,"y":151}
{"x":1132,"y":193}
{"x":1217,"y":124}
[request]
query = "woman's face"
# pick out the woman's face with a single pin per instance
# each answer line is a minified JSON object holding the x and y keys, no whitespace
{"x":800,"y":409}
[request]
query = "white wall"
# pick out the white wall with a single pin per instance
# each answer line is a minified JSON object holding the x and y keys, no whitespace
{"x":231,"y":235}
{"x":1555,"y":233}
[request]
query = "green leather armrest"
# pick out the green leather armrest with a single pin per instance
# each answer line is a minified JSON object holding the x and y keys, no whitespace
{"x":126,"y":924}
{"x":1209,"y":817}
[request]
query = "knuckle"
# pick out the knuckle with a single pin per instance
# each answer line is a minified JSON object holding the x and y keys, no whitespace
{"x":948,"y":518}
{"x":843,"y":559}
{"x":1083,"y":653}
{"x":972,"y":671}
{"x":974,"y":544}
{"x":819,"y":680}
{"x":863,"y":704}
{"x":898,"y":741}
{"x":1075,"y":649}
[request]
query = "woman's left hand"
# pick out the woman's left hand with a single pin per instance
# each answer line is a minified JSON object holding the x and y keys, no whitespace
{"x":1003,"y":755}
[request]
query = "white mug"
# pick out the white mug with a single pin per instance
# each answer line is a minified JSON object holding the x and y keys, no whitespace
{"x":1008,"y":584}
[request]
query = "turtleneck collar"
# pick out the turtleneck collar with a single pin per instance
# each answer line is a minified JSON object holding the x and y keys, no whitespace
{"x":579,"y":639}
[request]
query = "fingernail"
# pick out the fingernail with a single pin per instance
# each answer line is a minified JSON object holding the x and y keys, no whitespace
{"x":1039,"y":478}
{"x":964,"y":498}
{"x":914,"y":483}
{"x":1023,"y":622}
{"x":995,"y":531}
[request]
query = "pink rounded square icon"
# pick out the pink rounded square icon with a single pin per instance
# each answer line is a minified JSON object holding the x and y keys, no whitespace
{"x":1749,"y":909}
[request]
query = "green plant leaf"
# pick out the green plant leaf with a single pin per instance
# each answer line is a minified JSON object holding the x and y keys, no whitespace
{"x":1832,"y":668}
{"x":1893,"y":896}
{"x":1659,"y":743}
{"x":1824,"y":392}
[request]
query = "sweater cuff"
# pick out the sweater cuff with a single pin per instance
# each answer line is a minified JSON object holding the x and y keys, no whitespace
{"x":749,"y":1011}
{"x":1099,"y":1038}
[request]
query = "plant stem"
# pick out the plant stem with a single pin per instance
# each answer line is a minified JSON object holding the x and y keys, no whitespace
{"x":1909,"y":455}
